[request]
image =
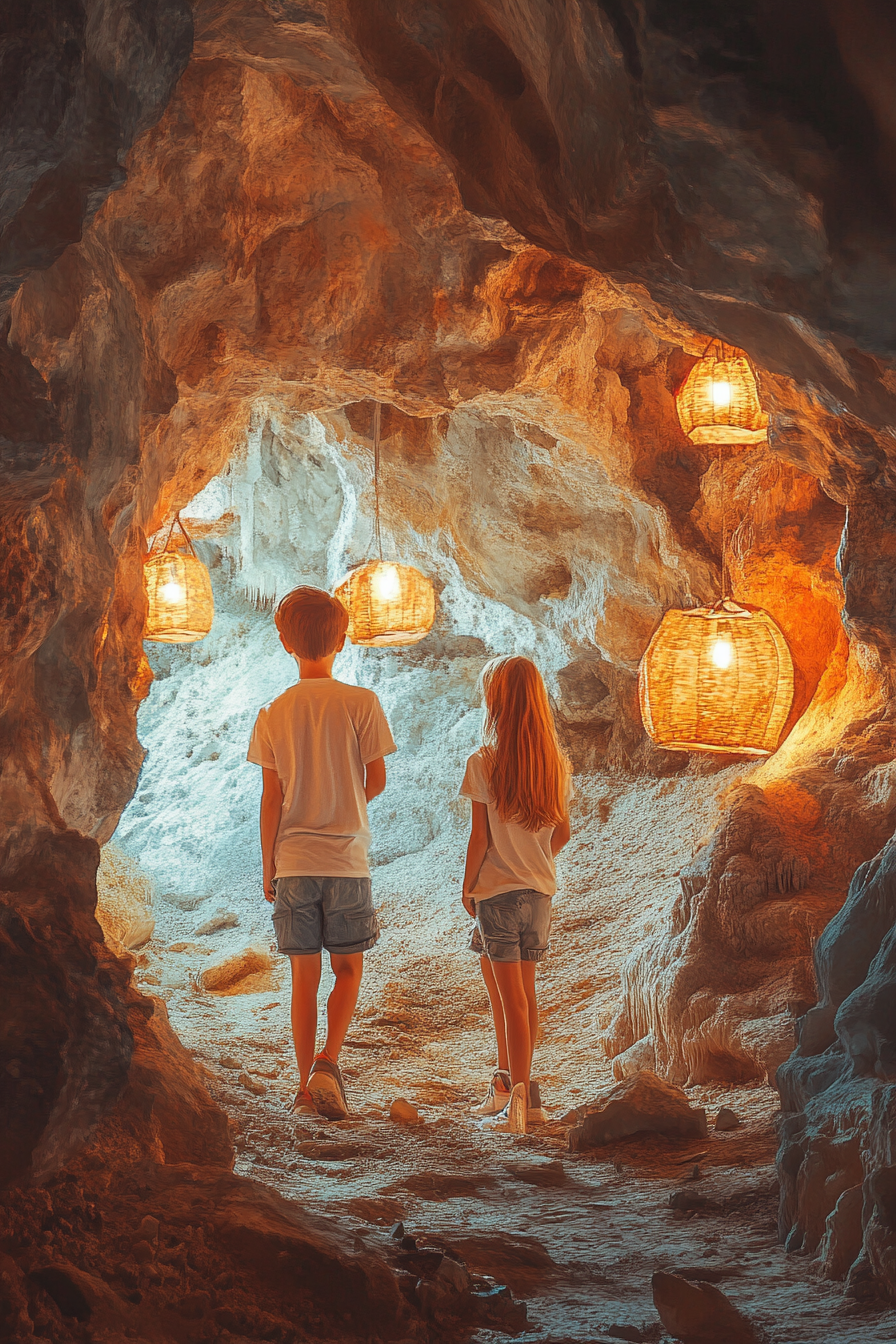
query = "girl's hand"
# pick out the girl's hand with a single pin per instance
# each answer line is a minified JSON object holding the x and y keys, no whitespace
{"x":469,"y":905}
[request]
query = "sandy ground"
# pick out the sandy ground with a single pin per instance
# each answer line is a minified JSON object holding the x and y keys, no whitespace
{"x":577,"y":1236}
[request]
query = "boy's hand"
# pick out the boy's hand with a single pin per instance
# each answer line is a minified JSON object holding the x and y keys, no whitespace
{"x":269,"y":893}
{"x":469,"y":905}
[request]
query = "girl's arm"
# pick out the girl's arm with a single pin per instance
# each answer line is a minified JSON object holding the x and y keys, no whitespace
{"x":271,"y":811}
{"x":560,"y":836}
{"x":476,"y":851}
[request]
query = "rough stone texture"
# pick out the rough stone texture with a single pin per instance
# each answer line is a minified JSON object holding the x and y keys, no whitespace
{"x":700,"y":1313}
{"x":81,"y":83}
{"x":842,"y":1240}
{"x":837,"y":1092}
{"x":643,"y":1103}
{"x":124,"y":901}
{"x":272,"y":1263}
{"x":224,"y":976}
{"x":664,"y":177}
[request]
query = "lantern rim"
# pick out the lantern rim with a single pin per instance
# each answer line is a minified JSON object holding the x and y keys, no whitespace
{"x":174,"y":635}
{"x":721,"y":433}
{"x":377,"y":562}
{"x":726,"y":609}
{"x":714,"y":748}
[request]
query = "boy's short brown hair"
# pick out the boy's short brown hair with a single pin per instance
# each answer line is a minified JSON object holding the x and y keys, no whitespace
{"x":311,"y":622}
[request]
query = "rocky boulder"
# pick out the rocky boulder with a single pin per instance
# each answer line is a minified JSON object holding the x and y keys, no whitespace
{"x":699,"y":1313}
{"x":642,"y":1103}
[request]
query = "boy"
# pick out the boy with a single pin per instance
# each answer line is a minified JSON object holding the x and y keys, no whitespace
{"x":321,"y":746}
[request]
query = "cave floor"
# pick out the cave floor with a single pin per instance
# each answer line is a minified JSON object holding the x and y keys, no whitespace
{"x":576,"y":1236}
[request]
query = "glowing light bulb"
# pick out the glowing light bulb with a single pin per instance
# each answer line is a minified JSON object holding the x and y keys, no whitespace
{"x":722,"y":653}
{"x":387,"y":583}
{"x":171,"y":592}
{"x":721,"y":393}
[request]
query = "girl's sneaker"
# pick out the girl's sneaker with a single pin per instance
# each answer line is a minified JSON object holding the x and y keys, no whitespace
{"x":513,"y":1118}
{"x":303,"y":1104}
{"x":498,"y":1097}
{"x":536,"y":1115}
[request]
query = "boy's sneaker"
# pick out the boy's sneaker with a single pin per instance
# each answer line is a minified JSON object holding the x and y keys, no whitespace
{"x":326,"y":1089}
{"x":303,"y":1104}
{"x":536,"y":1114}
{"x":512,"y":1120}
{"x":497,"y":1097}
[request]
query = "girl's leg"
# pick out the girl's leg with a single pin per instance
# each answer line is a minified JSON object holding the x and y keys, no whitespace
{"x":527,"y":969}
{"x":494,"y":999}
{"x":509,"y":979}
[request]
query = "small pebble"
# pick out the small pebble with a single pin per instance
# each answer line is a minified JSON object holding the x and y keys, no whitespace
{"x":254,"y":1085}
{"x":403,"y":1113}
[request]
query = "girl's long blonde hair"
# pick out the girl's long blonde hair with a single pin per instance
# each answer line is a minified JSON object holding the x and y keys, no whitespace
{"x":528,"y":773}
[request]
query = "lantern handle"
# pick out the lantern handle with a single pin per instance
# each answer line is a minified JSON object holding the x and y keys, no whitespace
{"x":176,"y":522}
{"x":720,"y":350}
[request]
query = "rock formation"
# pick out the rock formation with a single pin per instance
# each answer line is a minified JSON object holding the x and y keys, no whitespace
{"x":514,"y":226}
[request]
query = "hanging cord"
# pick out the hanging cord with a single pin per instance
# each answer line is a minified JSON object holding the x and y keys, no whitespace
{"x":377,"y":415}
{"x":724,"y":511}
{"x":176,"y":522}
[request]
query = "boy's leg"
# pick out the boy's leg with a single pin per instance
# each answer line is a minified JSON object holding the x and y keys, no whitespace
{"x":347,"y":968}
{"x":494,"y":999}
{"x":305,"y":983}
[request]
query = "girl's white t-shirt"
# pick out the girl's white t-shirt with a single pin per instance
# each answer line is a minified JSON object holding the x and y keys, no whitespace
{"x":516,"y":859}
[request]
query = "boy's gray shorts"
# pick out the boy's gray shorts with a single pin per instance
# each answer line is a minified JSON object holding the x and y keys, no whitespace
{"x":332,"y":912}
{"x":514,"y":926}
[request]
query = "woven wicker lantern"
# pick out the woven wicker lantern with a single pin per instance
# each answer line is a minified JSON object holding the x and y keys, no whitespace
{"x":717,"y":678}
{"x":387,"y":604}
{"x":178,"y":593}
{"x":719,"y":400}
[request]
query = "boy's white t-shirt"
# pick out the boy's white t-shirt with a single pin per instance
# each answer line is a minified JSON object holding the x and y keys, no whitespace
{"x":516,"y":859}
{"x":319,"y":735}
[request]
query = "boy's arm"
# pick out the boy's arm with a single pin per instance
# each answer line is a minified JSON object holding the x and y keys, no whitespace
{"x":271,"y":811}
{"x":476,"y":851}
{"x":374,"y":778}
{"x":560,"y":836}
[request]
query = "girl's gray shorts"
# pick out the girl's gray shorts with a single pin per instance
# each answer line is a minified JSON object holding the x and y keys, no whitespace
{"x":514,"y":926}
{"x":332,"y":912}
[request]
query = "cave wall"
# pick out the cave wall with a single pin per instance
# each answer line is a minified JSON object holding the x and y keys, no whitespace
{"x":81,"y":1048}
{"x":514,"y":225}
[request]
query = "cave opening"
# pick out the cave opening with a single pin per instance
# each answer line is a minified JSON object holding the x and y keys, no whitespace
{"x":228,"y":233}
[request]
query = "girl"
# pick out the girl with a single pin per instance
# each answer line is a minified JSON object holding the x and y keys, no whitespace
{"x":520,"y":788}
